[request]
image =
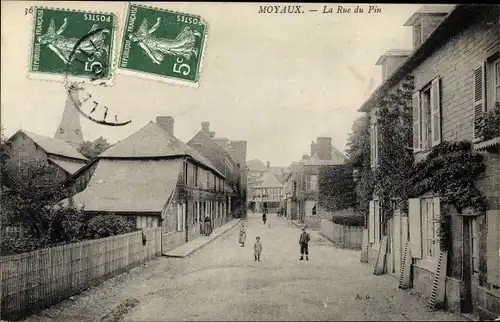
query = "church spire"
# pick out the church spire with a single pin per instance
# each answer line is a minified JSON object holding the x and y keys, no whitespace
{"x":69,"y":129}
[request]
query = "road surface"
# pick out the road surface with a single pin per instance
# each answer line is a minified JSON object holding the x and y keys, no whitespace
{"x":222,"y":281}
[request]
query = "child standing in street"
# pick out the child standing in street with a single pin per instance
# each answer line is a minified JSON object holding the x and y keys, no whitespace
{"x":304,"y":244}
{"x":257,"y":249}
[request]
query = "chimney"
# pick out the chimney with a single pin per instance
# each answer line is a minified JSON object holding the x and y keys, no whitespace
{"x":314,"y":148}
{"x":324,"y":148}
{"x":205,"y":127}
{"x":391,"y":60}
{"x":269,"y":164}
{"x":425,"y":20}
{"x":167,"y":123}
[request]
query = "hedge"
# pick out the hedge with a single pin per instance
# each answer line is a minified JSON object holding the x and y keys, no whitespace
{"x":351,"y":220}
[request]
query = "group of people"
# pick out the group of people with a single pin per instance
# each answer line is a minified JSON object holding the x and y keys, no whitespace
{"x":304,"y":240}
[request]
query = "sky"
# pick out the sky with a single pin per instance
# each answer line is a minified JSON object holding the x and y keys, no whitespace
{"x":276,"y":81}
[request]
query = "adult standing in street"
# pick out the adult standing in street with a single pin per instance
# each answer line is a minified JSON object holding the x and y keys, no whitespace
{"x":304,"y":244}
{"x":264,"y":217}
{"x":208,"y":226}
{"x":243,"y":234}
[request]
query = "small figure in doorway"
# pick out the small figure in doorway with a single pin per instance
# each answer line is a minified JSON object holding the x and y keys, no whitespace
{"x":257,"y":247}
{"x":264,"y":217}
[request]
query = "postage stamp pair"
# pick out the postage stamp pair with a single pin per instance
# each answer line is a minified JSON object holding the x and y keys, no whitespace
{"x":155,"y":43}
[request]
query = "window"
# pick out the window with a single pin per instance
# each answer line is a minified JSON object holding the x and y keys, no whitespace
{"x":424,"y":220}
{"x":314,"y":182}
{"x":425,"y":114}
{"x":308,"y":182}
{"x":208,"y":180}
{"x":185,"y":169}
{"x":196,"y":174}
{"x":474,"y":245}
{"x":486,"y":90}
{"x":427,"y":117}
{"x":374,"y":136}
{"x":430,"y":229}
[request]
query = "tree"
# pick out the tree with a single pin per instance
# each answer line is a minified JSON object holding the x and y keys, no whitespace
{"x":33,"y":203}
{"x":4,"y":154}
{"x":358,"y":153}
{"x":92,"y":149}
{"x":358,"y":142}
{"x":336,"y":188}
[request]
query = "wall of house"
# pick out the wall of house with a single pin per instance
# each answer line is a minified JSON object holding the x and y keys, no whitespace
{"x":23,"y":149}
{"x":453,"y":63}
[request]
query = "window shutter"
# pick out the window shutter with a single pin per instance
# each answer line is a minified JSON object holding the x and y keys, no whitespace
{"x":436,"y":112}
{"x":371,"y":222}
{"x":372,"y":145}
{"x":416,"y":122}
{"x":415,"y":227}
{"x":436,"y":204}
{"x":478,"y":91}
{"x":376,"y":210}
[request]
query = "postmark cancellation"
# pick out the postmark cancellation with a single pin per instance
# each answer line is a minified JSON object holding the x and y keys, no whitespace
{"x":72,"y":45}
{"x":162,"y":45}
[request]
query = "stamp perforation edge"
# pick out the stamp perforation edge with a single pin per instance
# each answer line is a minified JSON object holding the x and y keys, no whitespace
{"x":154,"y":77}
{"x":58,"y":78}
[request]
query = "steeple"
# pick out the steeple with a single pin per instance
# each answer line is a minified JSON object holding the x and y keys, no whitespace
{"x":69,"y":129}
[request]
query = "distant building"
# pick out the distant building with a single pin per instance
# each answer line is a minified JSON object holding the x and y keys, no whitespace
{"x":69,"y":129}
{"x":255,"y":170}
{"x":154,"y":179}
{"x":60,"y":152}
{"x":304,"y":179}
{"x":268,"y":194}
{"x":61,"y":156}
{"x":227,"y":160}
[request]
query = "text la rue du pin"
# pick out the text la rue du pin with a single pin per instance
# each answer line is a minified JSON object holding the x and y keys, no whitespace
{"x":358,"y":9}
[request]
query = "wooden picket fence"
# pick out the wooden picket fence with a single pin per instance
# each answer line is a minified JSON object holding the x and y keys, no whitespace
{"x":38,"y":279}
{"x":349,"y":237}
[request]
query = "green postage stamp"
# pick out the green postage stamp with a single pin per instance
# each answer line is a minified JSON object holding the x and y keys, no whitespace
{"x":72,"y":44}
{"x":162,"y":45}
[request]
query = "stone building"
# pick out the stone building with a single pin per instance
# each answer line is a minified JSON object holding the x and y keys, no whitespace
{"x":229,"y":158}
{"x":456,"y":68}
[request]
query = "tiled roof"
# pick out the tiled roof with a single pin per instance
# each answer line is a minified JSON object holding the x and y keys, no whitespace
{"x":256,"y":165}
{"x":210,"y":148}
{"x":53,"y":146}
{"x":268,"y":180}
{"x":153,"y":141}
{"x":337,"y":158}
{"x":69,"y":167}
{"x":130,"y":186}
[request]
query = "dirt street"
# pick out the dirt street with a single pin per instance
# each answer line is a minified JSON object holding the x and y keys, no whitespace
{"x":223,"y":282}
